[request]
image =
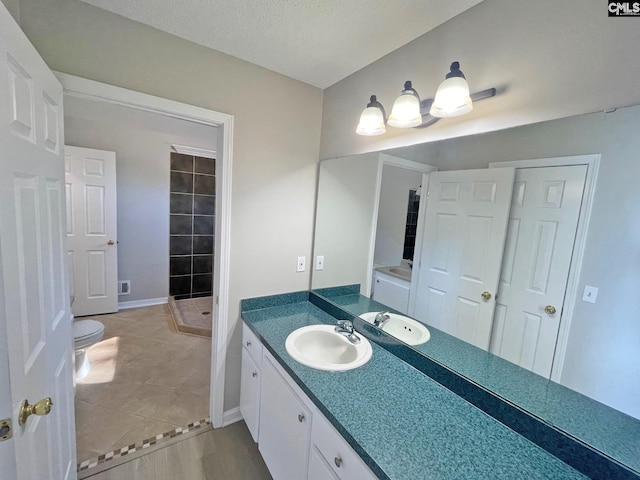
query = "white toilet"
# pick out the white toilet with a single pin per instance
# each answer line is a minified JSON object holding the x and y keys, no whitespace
{"x":85,"y":334}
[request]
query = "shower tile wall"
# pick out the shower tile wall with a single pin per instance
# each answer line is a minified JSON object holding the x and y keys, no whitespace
{"x":191,"y":226}
{"x":412,"y":225}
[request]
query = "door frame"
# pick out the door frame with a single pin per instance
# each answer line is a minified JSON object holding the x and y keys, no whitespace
{"x":91,"y":90}
{"x":572,"y":294}
{"x":393,"y":161}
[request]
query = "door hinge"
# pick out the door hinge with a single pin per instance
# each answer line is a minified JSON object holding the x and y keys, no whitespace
{"x":6,"y":431}
{"x":217,"y":299}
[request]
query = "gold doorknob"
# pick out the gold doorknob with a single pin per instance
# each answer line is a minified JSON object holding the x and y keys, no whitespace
{"x":111,"y":242}
{"x":43,"y":407}
{"x":486,"y":295}
{"x":550,"y":309}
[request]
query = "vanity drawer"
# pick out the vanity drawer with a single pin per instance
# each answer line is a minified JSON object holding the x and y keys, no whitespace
{"x":341,"y":458}
{"x":252,"y":344}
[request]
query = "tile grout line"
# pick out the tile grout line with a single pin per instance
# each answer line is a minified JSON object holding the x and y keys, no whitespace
{"x":144,"y":444}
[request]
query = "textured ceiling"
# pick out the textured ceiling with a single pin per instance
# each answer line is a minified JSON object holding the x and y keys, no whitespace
{"x":316,"y":41}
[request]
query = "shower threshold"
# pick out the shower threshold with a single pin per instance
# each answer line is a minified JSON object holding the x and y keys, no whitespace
{"x":192,"y":316}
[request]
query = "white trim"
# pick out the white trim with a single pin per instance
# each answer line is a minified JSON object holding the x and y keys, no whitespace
{"x":417,"y":250}
{"x":148,"y":302}
{"x":231,"y":416}
{"x":572,"y":294}
{"x":195,"y":151}
{"x":367,"y":288}
{"x":426,"y":169}
{"x":92,"y":90}
{"x":407,"y":164}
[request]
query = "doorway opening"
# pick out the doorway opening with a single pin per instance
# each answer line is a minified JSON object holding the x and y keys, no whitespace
{"x":142,"y":334}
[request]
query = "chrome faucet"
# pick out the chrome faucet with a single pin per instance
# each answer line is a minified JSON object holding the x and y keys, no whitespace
{"x":381,"y":318}
{"x":345,"y":327}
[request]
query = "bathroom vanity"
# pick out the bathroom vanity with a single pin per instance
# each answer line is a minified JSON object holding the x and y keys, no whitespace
{"x":385,"y":419}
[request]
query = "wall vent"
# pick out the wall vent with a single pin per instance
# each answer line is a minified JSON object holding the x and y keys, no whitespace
{"x":124,"y":287}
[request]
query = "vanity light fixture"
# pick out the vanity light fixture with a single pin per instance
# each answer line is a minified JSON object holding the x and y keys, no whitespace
{"x":372,"y":119}
{"x":452,"y":99}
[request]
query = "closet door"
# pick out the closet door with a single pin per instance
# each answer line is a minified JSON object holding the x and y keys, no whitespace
{"x":542,"y":229}
{"x":460,"y":256}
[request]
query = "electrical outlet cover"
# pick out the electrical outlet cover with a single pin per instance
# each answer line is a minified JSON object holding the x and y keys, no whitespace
{"x":590,"y":294}
{"x":301,"y":264}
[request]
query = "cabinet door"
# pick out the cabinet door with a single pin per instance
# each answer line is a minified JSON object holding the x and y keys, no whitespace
{"x":343,"y":461}
{"x":285,"y":425}
{"x":252,"y":343}
{"x":318,"y":468}
{"x":250,"y":393}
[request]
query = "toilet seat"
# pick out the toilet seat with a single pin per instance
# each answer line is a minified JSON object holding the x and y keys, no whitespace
{"x":86,"y":333}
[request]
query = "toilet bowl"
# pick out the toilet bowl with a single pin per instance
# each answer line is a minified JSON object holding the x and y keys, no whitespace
{"x":85,"y":334}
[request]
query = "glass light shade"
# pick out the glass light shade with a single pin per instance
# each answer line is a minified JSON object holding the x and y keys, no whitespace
{"x":371,"y":122}
{"x":406,"y":111}
{"x":452,"y":99}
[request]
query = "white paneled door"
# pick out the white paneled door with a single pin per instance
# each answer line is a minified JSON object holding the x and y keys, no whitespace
{"x":461,"y":251}
{"x":542,"y":228}
{"x":35,"y":323}
{"x":92,"y":229}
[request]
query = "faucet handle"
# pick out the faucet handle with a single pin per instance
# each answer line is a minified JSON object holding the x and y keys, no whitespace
{"x":346,"y":324}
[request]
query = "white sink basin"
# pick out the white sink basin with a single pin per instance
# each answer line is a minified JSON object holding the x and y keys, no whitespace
{"x":320,"y":347}
{"x":405,"y":329}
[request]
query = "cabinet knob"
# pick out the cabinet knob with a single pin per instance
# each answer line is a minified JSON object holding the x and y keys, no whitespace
{"x":300,"y":417}
{"x":337,"y":461}
{"x":254,"y":374}
{"x":248,"y":343}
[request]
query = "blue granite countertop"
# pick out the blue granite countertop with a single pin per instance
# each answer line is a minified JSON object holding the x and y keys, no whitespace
{"x":607,"y":430}
{"x":401,"y":422}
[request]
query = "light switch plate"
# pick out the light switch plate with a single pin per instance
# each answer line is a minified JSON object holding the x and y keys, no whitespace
{"x":320,"y":262}
{"x":590,"y":294}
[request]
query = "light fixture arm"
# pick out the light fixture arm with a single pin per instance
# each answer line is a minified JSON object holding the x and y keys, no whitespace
{"x":408,"y":87}
{"x":373,"y":102}
{"x":454,"y":71}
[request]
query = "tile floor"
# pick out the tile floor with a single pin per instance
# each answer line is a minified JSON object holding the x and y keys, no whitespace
{"x":145,"y":379}
{"x":222,"y":454}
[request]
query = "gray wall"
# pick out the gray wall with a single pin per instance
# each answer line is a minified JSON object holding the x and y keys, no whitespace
{"x":549,"y":60}
{"x":14,"y":8}
{"x":603,"y":354}
{"x":345,"y":220}
{"x":142,"y":142}
{"x":392,"y":213}
{"x":276,"y":137}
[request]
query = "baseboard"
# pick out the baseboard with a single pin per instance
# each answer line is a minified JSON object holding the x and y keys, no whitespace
{"x":142,"y":303}
{"x":231,"y":416}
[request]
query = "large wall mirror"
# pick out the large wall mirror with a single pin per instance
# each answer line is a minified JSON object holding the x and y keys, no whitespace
{"x":527,"y":247}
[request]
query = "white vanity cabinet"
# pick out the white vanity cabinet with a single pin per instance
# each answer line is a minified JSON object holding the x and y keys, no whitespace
{"x":295,"y":440}
{"x":250,"y":380}
{"x":285,"y":426}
